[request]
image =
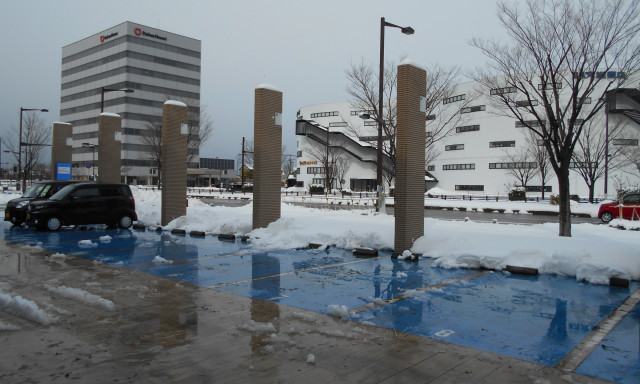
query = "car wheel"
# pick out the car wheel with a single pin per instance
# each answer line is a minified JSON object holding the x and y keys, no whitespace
{"x":125,"y":221}
{"x":606,"y":217}
{"x":53,"y":223}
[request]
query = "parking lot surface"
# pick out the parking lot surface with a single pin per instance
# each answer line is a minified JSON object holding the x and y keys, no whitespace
{"x":435,"y":324}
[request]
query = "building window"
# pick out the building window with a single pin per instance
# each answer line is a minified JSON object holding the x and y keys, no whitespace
{"x":476,"y":108}
{"x":515,"y":165}
{"x":528,"y":123}
{"x":324,"y":114}
{"x":467,"y":128}
{"x":431,"y":117}
{"x":548,"y":86}
{"x":469,"y":187}
{"x":458,"y":167}
{"x":630,"y":142}
{"x":429,"y":134}
{"x":538,"y":188}
{"x":371,"y":123}
{"x":338,"y":124}
{"x":431,"y":168}
{"x":299,"y":154}
{"x":315,"y":170}
{"x":318,"y":181}
{"x":454,"y":147}
{"x":526,"y":103}
{"x":581,"y":164}
{"x":502,"y":91}
{"x":358,"y":113}
{"x":502,"y":144}
{"x":372,"y":138}
{"x":453,"y":99}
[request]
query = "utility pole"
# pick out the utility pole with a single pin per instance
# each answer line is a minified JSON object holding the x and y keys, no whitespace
{"x":242,"y":169}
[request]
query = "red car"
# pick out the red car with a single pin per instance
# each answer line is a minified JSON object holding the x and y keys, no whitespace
{"x":626,"y":208}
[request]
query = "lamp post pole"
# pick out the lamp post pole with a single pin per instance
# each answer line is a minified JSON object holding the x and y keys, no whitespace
{"x":105,"y":89}
{"x":22,"y":181}
{"x":406,"y":31}
{"x":606,"y":146}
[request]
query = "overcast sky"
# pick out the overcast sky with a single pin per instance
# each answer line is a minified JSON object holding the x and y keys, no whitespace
{"x":302,"y":47}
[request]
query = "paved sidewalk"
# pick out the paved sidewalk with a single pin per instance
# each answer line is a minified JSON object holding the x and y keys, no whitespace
{"x":161,"y":331}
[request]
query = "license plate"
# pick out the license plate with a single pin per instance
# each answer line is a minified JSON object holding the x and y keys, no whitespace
{"x":28,"y":216}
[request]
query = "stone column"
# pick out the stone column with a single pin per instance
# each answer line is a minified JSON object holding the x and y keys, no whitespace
{"x":109,"y":147}
{"x":267,"y":155}
{"x":61,"y":143}
{"x":174,"y":160}
{"x":410,"y":167}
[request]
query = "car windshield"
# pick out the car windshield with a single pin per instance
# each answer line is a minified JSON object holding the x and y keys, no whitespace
{"x":34,"y":190}
{"x":61,"y":194}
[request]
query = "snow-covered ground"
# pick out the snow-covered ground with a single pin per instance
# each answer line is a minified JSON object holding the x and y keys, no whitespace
{"x":595,"y":253}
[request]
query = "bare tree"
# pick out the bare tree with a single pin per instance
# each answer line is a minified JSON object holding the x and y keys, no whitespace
{"x":343,"y":164}
{"x":541,"y":158}
{"x":521,"y":165}
{"x":553,"y":75}
{"x":35,"y":136}
{"x":200,"y":129}
{"x":363,"y":92}
{"x":590,"y":153}
{"x":335,"y":162}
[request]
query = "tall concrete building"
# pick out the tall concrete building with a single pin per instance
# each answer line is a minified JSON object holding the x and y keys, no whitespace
{"x":155,"y":64}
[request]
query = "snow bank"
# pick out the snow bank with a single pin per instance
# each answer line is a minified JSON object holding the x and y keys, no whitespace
{"x":25,"y":308}
{"x":81,"y":296}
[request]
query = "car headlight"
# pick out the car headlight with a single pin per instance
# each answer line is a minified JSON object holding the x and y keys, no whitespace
{"x":22,"y":204}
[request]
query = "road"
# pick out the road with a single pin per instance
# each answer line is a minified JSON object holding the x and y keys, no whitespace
{"x":507,"y":218}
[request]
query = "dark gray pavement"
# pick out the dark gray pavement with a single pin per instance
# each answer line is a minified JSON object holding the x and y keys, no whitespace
{"x":163,"y":331}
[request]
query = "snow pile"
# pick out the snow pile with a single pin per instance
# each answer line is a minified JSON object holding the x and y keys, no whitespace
{"x":87,"y":244}
{"x":161,"y":260}
{"x":311,"y":359}
{"x":25,"y":308}
{"x":255,"y":327}
{"x":339,"y":311}
{"x":105,"y":239}
{"x":8,"y":327}
{"x":81,"y":296}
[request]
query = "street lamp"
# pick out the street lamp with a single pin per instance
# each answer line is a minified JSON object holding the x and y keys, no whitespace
{"x":93,"y":161}
{"x":20,"y":143}
{"x":105,"y":89}
{"x":406,"y":31}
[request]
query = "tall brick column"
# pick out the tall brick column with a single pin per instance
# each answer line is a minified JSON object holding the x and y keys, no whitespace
{"x":174,"y":161}
{"x":410,"y":167}
{"x":109,"y":147}
{"x":267,"y":155}
{"x":60,"y":146}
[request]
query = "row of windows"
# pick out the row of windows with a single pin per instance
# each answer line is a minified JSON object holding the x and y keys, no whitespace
{"x":314,"y":170}
{"x":358,"y":113}
{"x":548,"y":86}
{"x":454,"y":147}
{"x":469,"y":187}
{"x":209,"y":163}
{"x":526,"y":103}
{"x":371,"y":123}
{"x":476,"y":108}
{"x":453,"y":99}
{"x":372,"y":138}
{"x":458,"y":167}
{"x":131,"y":163}
{"x":134,"y":40}
{"x":630,"y":142}
{"x":324,"y":114}
{"x":134,"y":86}
{"x":132,"y":55}
{"x":467,"y":128}
{"x":338,"y":124}
{"x":134,"y":71}
{"x":528,"y":123}
{"x":502,"y":144}
{"x":502,"y":91}
{"x":513,"y":165}
{"x":113,"y":102}
{"x":125,"y":116}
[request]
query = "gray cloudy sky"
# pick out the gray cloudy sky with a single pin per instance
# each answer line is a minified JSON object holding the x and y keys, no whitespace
{"x":302,"y":47}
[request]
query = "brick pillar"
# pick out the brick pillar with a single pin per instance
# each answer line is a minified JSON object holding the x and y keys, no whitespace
{"x":109,"y":147}
{"x":174,"y":161}
{"x":60,"y":146}
{"x":410,"y":167}
{"x":267,"y":156}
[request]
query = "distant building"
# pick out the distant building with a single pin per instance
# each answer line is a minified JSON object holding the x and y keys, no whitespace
{"x":154,"y":63}
{"x":472,"y":158}
{"x":211,"y":172}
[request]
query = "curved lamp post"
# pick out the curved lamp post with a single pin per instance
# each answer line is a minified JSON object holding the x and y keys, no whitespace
{"x":406,"y":31}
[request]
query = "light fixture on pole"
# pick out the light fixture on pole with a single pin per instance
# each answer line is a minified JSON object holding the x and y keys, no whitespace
{"x":21,"y":143}
{"x":105,"y":89}
{"x":93,"y":161}
{"x":406,"y":31}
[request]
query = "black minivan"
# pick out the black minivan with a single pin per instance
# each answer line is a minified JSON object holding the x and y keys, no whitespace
{"x":86,"y":203}
{"x":16,"y":209}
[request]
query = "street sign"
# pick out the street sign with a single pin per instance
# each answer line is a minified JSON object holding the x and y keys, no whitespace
{"x":88,"y":165}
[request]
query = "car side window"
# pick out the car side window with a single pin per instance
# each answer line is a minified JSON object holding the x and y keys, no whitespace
{"x":111,"y":191}
{"x":46,"y":191}
{"x":86,"y":192}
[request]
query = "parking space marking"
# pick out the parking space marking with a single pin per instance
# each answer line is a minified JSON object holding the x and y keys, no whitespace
{"x":411,"y":293}
{"x":581,"y":351}
{"x":292,"y":272}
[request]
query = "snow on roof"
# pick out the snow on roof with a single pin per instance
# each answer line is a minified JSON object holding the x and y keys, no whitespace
{"x":410,"y":62}
{"x":175,"y":102}
{"x":269,"y":86}
{"x":109,"y":114}
{"x":59,"y":122}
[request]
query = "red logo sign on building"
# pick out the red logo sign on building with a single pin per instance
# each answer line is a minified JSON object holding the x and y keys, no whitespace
{"x":137,"y":31}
